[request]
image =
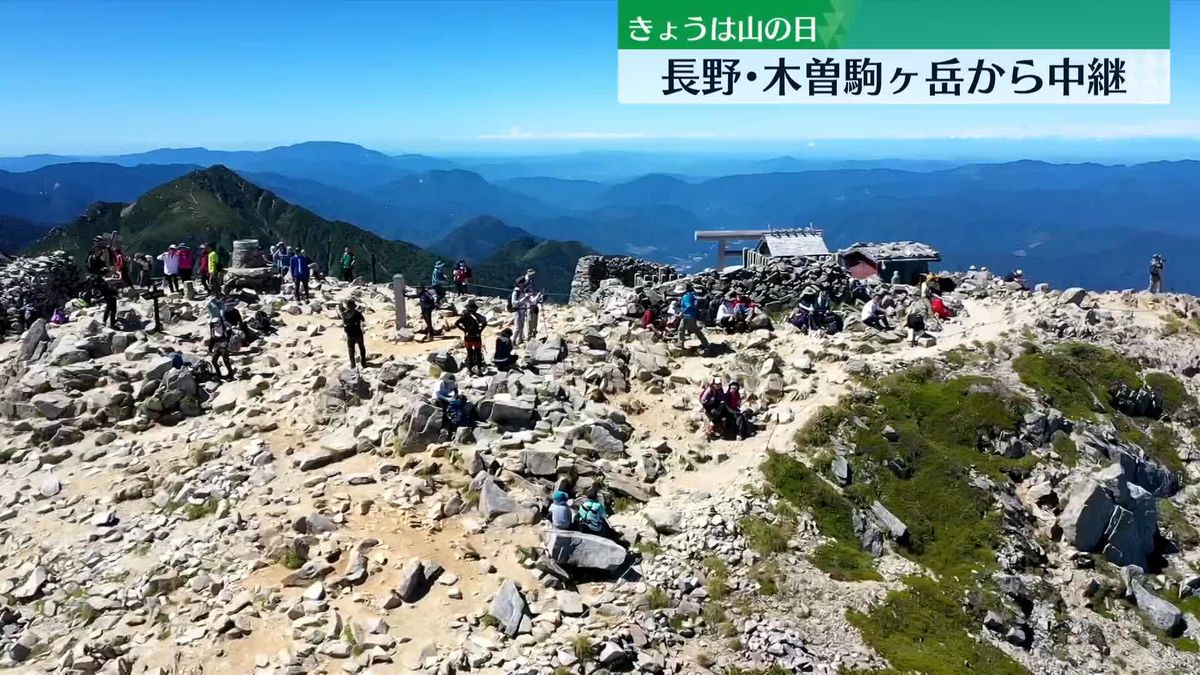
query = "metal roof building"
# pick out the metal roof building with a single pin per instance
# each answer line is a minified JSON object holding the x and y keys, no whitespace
{"x":793,"y":244}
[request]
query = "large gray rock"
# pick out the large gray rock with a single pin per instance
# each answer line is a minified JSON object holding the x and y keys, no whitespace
{"x":663,"y":520}
{"x":540,"y":462}
{"x":1085,"y":518}
{"x":34,"y":340}
{"x":52,"y":405}
{"x":413,"y":583}
{"x":589,"y":551}
{"x":1105,"y":512}
{"x":606,"y":444}
{"x":1160,"y":613}
{"x":1072,"y":296}
{"x":894,"y":526}
{"x":508,"y":607}
{"x":493,"y":500}
{"x":511,"y":411}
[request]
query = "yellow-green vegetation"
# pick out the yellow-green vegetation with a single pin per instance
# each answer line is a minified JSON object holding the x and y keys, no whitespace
{"x":1173,"y":325}
{"x":648,"y":548}
{"x":201,"y":510}
{"x":1076,"y":378}
{"x":582,"y":647}
{"x":657,"y":598}
{"x":763,"y":536}
{"x":1066,"y":448}
{"x":923,"y":629}
{"x":953,"y":526}
{"x":291,"y":558}
{"x":841,"y":558}
{"x":1182,"y":532}
{"x":1160,"y":441}
{"x":717,"y":578}
{"x":1175,"y":397}
{"x":768,"y":578}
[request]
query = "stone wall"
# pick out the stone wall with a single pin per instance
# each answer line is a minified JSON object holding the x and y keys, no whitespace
{"x":44,"y":281}
{"x":777,"y":285}
{"x":593,"y":269}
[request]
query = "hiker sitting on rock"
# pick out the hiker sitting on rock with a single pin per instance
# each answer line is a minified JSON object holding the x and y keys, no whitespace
{"x":445,"y":390}
{"x":712,"y":400}
{"x":456,"y":414}
{"x":593,"y":515}
{"x":724,"y":316}
{"x":560,"y":511}
{"x":737,"y":422}
{"x":874,"y":315}
{"x":915,"y":322}
{"x":503,"y":357}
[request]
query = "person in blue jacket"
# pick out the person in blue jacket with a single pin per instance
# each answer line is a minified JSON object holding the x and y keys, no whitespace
{"x":689,"y":311}
{"x":300,"y":266}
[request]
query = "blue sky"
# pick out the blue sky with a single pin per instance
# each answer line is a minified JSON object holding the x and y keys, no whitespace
{"x":444,"y":76}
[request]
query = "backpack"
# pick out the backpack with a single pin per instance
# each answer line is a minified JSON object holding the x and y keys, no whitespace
{"x":915,"y":321}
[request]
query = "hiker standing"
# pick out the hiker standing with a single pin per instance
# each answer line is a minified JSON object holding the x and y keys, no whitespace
{"x":214,"y":270}
{"x":218,"y":346}
{"x":347,"y":265}
{"x":462,"y":276}
{"x":472,"y":323}
{"x":121,"y":267}
{"x":427,"y":301}
{"x":352,"y":322}
{"x":170,"y":263}
{"x":202,"y":267}
{"x":300,"y":268}
{"x":518,"y":304}
{"x":185,"y":262}
{"x":533,"y":304}
{"x":689,"y":311}
{"x":1156,"y":268}
{"x":438,"y":281}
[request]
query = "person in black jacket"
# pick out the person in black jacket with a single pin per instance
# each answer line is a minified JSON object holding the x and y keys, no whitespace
{"x":472,"y":323}
{"x":503,"y":358}
{"x":427,"y":299}
{"x":352,"y":323}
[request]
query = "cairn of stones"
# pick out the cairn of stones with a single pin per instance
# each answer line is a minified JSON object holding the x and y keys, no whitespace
{"x":44,"y":281}
{"x":249,"y":269}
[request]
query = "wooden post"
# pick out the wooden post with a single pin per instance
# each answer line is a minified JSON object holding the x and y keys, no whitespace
{"x":401,"y":308}
{"x":720,"y":255}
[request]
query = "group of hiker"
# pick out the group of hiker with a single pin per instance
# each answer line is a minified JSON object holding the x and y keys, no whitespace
{"x":590,"y":516}
{"x":294,"y":263}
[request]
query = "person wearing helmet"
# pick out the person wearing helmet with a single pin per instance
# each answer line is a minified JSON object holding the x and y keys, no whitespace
{"x":1156,"y":268}
{"x":472,"y":323}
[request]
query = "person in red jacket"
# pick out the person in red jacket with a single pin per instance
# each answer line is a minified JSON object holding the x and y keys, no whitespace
{"x":185,"y":262}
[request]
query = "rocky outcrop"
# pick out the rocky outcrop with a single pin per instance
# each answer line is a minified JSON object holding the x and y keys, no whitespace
{"x":1107,"y":513}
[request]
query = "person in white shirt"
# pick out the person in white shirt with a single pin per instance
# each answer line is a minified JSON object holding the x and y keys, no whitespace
{"x":170,"y":263}
{"x":874,"y":315}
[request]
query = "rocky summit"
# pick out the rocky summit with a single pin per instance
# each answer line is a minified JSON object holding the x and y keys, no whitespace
{"x":1015,"y":493}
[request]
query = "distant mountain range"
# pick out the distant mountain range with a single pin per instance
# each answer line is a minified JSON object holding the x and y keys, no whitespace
{"x":219,"y":206}
{"x":1069,"y":224}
